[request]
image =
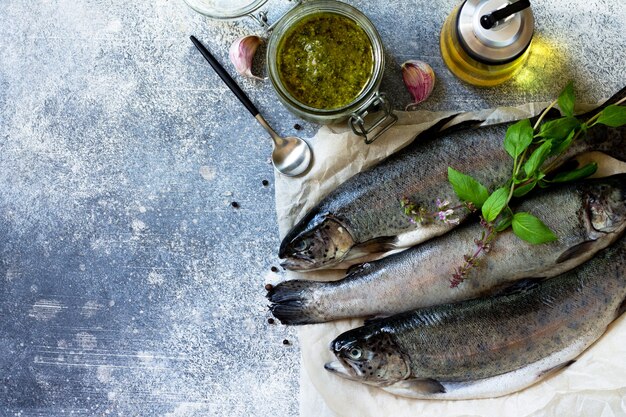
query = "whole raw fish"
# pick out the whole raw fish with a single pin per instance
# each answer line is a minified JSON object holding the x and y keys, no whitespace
{"x":586,"y":216}
{"x":488,"y":347}
{"x":362,"y":220}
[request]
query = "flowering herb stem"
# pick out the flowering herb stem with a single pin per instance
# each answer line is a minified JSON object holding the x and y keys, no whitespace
{"x":471,"y":261}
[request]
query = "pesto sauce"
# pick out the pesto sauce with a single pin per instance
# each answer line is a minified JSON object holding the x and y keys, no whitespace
{"x":325,"y":60}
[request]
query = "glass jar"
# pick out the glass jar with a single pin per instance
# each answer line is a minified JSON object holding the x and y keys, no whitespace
{"x":368,"y":101}
{"x":225,"y":9}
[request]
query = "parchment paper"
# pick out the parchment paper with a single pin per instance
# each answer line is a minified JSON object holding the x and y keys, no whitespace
{"x":594,"y":386}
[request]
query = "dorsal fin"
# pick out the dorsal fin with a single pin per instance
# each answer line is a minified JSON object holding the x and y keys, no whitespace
{"x":575,"y":251}
{"x":520,"y":286}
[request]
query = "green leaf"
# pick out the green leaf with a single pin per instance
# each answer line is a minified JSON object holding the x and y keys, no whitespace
{"x":495,"y":203}
{"x":503,"y":221}
{"x":467,"y":188}
{"x":529,"y":228}
{"x":518,"y":137}
{"x":563,"y":145}
{"x":566,"y":100}
{"x":559,"y":128}
{"x":537,"y":158}
{"x":576,"y":174}
{"x":524,"y":189}
{"x":614,"y":116}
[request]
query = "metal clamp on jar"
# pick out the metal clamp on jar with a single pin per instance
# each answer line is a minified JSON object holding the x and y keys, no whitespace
{"x":318,"y":73}
{"x":485,"y":42}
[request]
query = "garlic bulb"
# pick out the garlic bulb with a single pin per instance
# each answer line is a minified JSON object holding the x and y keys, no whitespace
{"x":419,"y":79}
{"x":242,"y":52}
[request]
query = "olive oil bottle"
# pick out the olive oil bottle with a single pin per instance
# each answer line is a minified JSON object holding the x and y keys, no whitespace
{"x":485,"y":42}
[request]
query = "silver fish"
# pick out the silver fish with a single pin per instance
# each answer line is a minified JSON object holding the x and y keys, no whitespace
{"x":362,"y":219}
{"x":488,"y":347}
{"x":586,"y":216}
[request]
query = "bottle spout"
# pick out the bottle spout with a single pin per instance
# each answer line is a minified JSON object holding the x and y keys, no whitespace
{"x":488,"y":21}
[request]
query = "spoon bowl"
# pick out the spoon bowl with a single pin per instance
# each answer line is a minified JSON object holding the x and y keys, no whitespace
{"x":291,"y":157}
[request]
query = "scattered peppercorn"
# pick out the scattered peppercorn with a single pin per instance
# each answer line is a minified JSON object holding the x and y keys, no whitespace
{"x":235,"y":204}
{"x":274,"y":269}
{"x":285,"y":342}
{"x":265,"y":183}
{"x":270,"y":321}
{"x":297,"y":126}
{"x":269,"y":287}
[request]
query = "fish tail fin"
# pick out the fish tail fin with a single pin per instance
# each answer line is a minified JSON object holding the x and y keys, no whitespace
{"x":292,"y":302}
{"x":621,"y":94}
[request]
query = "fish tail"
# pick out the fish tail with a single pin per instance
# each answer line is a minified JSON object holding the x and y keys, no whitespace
{"x":292,"y":302}
{"x":621,"y":94}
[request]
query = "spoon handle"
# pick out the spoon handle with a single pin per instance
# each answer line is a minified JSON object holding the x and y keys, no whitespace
{"x":219,"y":69}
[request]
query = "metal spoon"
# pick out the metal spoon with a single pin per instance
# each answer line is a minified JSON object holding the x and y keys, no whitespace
{"x":291,"y":155}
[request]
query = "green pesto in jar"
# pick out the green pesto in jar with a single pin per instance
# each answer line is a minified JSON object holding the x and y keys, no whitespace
{"x":325,"y":60}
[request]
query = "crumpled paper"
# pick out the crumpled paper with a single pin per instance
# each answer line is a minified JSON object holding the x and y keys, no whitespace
{"x":593,"y":386}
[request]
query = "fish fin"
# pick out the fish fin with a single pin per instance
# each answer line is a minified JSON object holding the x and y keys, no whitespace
{"x":575,"y":251}
{"x":434,"y":130}
{"x":355,"y":269}
{"x":374,"y":319}
{"x":520,"y":286}
{"x":464,"y":125}
{"x":376,"y":245}
{"x":621,"y":94}
{"x":444,"y":126}
{"x":556,"y":368}
{"x":291,"y":302}
{"x":622,"y":308}
{"x":415,"y":387}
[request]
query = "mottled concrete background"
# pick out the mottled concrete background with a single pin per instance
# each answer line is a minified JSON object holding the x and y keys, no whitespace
{"x":129,"y":285}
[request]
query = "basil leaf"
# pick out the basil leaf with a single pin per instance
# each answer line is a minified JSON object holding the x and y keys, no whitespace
{"x":563,"y":145}
{"x":559,"y":128}
{"x":518,"y":137}
{"x":566,"y":100}
{"x":614,"y":116}
{"x":524,"y":189}
{"x":537,"y":158}
{"x":576,"y":174}
{"x":495,"y":203}
{"x":467,"y":188}
{"x":529,"y":228}
{"x":503,"y":221}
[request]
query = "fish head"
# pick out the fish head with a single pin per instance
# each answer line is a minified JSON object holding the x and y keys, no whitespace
{"x":605,"y":206}
{"x":374,"y":359}
{"x":324,"y":242}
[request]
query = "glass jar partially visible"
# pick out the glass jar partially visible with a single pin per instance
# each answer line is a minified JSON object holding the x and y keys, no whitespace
{"x":227,"y":9}
{"x":314,"y":65}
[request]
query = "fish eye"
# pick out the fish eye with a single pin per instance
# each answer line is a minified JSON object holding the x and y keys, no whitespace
{"x":355,"y":353}
{"x":301,"y":245}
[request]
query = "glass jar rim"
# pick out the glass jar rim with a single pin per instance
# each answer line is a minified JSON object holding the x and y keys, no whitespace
{"x":213,"y":11}
{"x":303,"y":11}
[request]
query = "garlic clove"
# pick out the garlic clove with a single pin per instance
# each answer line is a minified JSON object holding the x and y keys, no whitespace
{"x":419,"y":79}
{"x":242,"y":52}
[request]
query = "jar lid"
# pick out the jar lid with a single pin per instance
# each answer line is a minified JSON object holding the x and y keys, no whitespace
{"x":505,"y":41}
{"x":225,"y":9}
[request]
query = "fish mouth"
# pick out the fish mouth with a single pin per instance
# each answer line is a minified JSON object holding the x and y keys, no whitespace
{"x":338,"y":368}
{"x":298,"y":264}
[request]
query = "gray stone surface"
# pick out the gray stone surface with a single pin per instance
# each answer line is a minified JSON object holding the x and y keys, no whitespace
{"x":129,"y":285}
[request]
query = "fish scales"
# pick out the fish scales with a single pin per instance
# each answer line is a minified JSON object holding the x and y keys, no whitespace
{"x":511,"y":331}
{"x":482,"y":342}
{"x":586,"y":216}
{"x":363,"y":220}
